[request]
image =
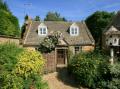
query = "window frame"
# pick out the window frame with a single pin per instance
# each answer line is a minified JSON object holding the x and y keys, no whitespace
{"x":74,"y":31}
{"x":78,"y":50}
{"x":42,"y":31}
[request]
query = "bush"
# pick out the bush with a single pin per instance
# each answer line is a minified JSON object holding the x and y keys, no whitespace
{"x":29,"y":62}
{"x":20,"y":69}
{"x":115,"y":76}
{"x":86,"y":68}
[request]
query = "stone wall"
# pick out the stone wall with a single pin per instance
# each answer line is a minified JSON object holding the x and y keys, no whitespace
{"x":87,"y":48}
{"x":83,"y":48}
{"x":30,"y":48}
{"x":4,"y":39}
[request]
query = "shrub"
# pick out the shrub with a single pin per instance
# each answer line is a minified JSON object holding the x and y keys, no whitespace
{"x":29,"y":62}
{"x":8,"y":60}
{"x":86,"y":68}
{"x":20,"y":69}
{"x":115,"y":76}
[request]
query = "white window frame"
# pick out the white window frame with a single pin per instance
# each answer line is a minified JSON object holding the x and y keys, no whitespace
{"x":42,"y":30}
{"x":74,"y":31}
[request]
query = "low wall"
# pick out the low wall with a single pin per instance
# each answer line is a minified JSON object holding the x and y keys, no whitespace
{"x":4,"y":39}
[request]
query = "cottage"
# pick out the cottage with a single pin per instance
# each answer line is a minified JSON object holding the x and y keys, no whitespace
{"x":74,"y":37}
{"x":111,"y":37}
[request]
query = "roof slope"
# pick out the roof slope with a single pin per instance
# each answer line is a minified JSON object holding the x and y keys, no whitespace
{"x":84,"y":37}
{"x":114,"y":25}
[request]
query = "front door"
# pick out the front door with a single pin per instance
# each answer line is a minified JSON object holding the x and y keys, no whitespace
{"x":61,"y":56}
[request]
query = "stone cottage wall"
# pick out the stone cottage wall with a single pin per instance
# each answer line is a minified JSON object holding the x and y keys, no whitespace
{"x":87,"y":48}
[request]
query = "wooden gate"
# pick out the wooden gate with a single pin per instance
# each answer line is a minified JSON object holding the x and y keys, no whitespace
{"x":61,"y":56}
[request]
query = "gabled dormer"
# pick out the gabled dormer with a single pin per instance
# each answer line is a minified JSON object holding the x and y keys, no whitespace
{"x":42,"y":30}
{"x":74,"y":30}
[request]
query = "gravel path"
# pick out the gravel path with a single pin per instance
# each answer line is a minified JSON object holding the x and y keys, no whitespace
{"x":60,"y":80}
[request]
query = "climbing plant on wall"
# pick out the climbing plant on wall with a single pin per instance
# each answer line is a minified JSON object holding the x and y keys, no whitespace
{"x":49,"y":43}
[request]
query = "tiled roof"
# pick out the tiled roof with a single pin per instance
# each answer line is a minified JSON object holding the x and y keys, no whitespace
{"x":84,"y":37}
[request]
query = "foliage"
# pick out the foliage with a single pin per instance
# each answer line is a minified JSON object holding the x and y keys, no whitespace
{"x":92,"y":70}
{"x":29,"y":62}
{"x":86,"y":68}
{"x":49,"y":43}
{"x":23,"y":29}
{"x":8,"y":60}
{"x":8,"y":23}
{"x":26,"y":17}
{"x":97,"y":22}
{"x":4,"y":6}
{"x":114,"y":83}
{"x":8,"y":53}
{"x":54,"y":16}
{"x":37,"y":18}
{"x":20,"y":69}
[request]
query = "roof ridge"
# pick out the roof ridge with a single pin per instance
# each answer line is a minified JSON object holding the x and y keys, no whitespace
{"x":89,"y":33}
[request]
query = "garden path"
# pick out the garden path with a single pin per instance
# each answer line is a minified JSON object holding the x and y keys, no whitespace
{"x":60,"y":80}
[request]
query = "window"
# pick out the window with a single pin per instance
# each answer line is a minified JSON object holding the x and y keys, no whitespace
{"x":74,"y":31}
{"x":77,"y":49}
{"x":115,"y":40}
{"x":42,"y":31}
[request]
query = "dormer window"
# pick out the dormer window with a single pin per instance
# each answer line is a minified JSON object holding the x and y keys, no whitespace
{"x":42,"y":30}
{"x":74,"y":30}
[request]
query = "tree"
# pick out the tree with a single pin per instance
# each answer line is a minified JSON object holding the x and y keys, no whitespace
{"x":97,"y":22}
{"x":4,"y":6}
{"x":8,"y":23}
{"x":54,"y":16}
{"x":37,"y":18}
{"x":23,"y":28}
{"x":26,"y":17}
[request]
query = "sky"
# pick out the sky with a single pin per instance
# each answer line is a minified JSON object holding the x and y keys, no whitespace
{"x":72,"y":10}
